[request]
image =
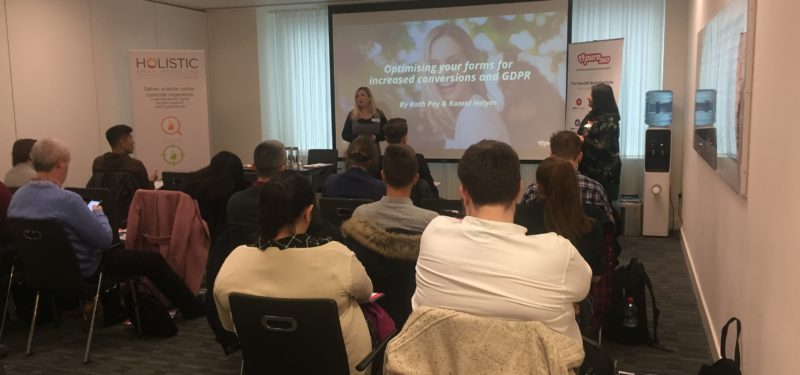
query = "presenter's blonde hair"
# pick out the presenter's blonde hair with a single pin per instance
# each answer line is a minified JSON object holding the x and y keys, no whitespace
{"x":373,"y":110}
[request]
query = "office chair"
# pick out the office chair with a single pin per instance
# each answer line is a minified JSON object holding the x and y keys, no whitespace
{"x":292,"y":336}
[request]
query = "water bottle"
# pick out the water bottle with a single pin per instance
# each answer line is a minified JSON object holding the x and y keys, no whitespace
{"x":630,"y":319}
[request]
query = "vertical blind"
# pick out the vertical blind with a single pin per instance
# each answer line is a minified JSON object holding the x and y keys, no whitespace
{"x":641,"y":24}
{"x":295,"y":91}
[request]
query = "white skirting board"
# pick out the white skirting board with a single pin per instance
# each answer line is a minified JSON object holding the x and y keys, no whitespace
{"x":711,"y":332}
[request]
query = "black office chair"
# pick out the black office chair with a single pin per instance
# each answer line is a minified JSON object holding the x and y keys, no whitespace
{"x":292,"y":336}
{"x":337,"y":210}
{"x":173,"y":180}
{"x":394,"y":277}
{"x":446,"y":207}
{"x":123,"y":186}
{"x":316,"y":156}
{"x":50,"y":267}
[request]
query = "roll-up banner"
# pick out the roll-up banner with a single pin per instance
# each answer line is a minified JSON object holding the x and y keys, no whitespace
{"x":170,"y":109}
{"x":591,"y":63}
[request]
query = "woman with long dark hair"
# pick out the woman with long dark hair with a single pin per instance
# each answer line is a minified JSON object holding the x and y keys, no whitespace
{"x":212,"y":186}
{"x":557,"y":208}
{"x":285,"y":262}
{"x":599,"y":131}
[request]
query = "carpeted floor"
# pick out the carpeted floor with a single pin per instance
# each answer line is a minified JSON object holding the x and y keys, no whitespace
{"x":680,"y":327}
{"x":117,"y":350}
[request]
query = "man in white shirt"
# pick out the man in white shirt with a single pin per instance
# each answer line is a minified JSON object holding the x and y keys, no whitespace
{"x":486,"y":265}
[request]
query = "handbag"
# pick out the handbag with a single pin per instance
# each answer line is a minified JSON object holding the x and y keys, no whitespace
{"x":154,"y":316}
{"x":725,"y":366}
{"x":379,"y":322}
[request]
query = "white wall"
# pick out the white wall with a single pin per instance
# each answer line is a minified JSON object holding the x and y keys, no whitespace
{"x":743,"y":252}
{"x":68,"y":68}
{"x":7,"y":129}
{"x":234,"y":81}
{"x":675,"y":52}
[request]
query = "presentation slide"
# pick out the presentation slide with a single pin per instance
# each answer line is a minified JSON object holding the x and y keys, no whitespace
{"x":457,"y":74}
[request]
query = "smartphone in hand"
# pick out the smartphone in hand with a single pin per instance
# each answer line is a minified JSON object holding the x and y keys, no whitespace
{"x":92,"y":204}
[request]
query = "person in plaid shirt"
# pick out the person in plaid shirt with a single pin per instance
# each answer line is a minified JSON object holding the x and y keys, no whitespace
{"x":566,"y":145}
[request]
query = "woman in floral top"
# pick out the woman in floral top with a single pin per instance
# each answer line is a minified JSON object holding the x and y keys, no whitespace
{"x":599,"y":131}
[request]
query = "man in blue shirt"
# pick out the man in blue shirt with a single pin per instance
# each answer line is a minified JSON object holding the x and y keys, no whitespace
{"x":88,"y":230}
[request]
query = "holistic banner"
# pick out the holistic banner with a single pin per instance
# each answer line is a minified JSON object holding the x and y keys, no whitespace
{"x":170,"y":109}
{"x":591,"y":63}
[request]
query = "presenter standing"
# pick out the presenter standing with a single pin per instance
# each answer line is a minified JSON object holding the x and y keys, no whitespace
{"x":599,"y":131}
{"x":364,"y":119}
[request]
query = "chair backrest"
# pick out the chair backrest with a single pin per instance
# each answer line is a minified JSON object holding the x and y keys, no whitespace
{"x":323,"y":156}
{"x":106,"y":200}
{"x":447,"y":207}
{"x":337,"y":210}
{"x":394,"y":277}
{"x":49,"y":262}
{"x":174,"y":180}
{"x":289,"y":336}
{"x":439,"y":341}
{"x":123,"y":186}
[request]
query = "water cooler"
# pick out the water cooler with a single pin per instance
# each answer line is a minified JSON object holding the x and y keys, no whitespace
{"x":658,"y":140}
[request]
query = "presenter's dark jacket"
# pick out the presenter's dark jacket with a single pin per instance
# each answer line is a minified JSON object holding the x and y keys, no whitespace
{"x":590,"y":246}
{"x":601,"y":160}
{"x":123,"y":163}
{"x":349,"y":135}
{"x":355,"y":183}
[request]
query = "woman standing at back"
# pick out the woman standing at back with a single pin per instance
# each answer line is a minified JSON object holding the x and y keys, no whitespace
{"x":599,"y":131}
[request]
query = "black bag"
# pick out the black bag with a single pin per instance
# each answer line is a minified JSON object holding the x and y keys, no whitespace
{"x":154,"y":316}
{"x":725,"y":366}
{"x":631,"y":281}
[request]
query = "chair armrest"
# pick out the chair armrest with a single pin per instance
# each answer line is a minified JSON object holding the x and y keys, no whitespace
{"x":361,"y":366}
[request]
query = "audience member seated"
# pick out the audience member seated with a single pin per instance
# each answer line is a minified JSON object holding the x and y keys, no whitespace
{"x":269,"y":161}
{"x":385,"y":234}
{"x":566,"y":145}
{"x":285,"y":262}
{"x":557,"y":208}
{"x":22,"y":168}
{"x":356,"y":181}
{"x":396,"y":131}
{"x":120,"y":138}
{"x":485,"y":265}
{"x":89,"y":231}
{"x":212,"y":186}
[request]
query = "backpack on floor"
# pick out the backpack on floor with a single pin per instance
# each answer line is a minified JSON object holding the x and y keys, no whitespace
{"x":631,"y":281}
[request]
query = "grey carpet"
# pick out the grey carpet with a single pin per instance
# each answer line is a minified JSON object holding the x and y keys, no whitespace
{"x":117,"y":350}
{"x":679,"y":328}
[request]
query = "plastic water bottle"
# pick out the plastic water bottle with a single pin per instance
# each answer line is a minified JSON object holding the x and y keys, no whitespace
{"x":630,"y":319}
